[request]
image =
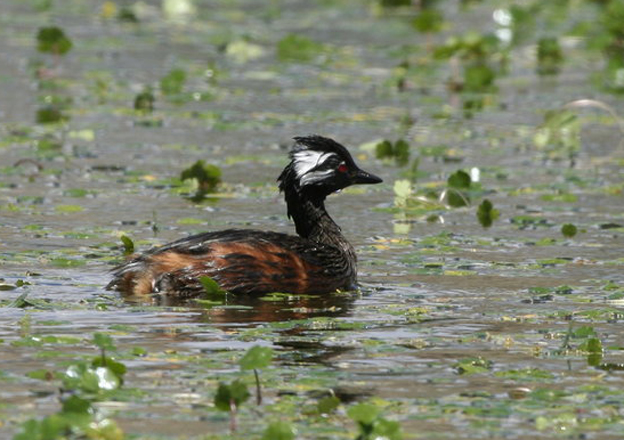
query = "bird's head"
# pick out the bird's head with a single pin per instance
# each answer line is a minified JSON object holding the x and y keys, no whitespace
{"x":320,"y":166}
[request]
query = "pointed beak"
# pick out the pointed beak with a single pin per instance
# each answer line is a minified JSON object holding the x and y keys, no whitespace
{"x":364,"y":177}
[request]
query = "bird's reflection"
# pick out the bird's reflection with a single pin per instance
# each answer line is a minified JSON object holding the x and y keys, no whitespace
{"x":248,"y":309}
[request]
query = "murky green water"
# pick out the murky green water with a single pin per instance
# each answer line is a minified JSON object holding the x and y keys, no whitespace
{"x":458,"y":332}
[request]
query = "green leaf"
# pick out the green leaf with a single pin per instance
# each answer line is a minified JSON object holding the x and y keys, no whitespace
{"x":53,"y":40}
{"x":144,"y":101}
{"x":279,"y":430}
{"x":256,"y":357}
{"x":478,"y":77}
{"x":583,"y":331}
{"x":85,"y":378}
{"x":428,"y":21}
{"x":401,"y":152}
{"x":473,"y":365}
{"x":75,"y":404}
{"x":386,"y":429}
{"x":21,"y":302}
{"x":591,"y":345}
{"x":103,"y":341}
{"x":364,"y":413}
{"x":66,"y":262}
{"x":31,"y":430}
{"x":50,"y":114}
{"x":569,"y":230}
{"x":459,"y":180}
{"x":549,"y":56}
{"x":383,"y":149}
{"x":456,"y":198}
{"x":128,"y":244}
{"x":486,"y":213}
{"x":173,"y":82}
{"x":328,"y":404}
{"x":298,"y":48}
{"x":208,"y":176}
{"x":69,"y":209}
{"x":212,"y":290}
{"x":235,"y":392}
{"x":117,"y":368}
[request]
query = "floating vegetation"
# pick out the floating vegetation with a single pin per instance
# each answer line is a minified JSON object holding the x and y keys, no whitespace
{"x":144,"y":101}
{"x":83,"y":384}
{"x":558,"y":137}
{"x":486,"y":213}
{"x":569,"y":230}
{"x":299,"y":48}
{"x":206,"y":178}
{"x":372,"y":425}
{"x":399,"y":151}
{"x":53,"y":40}
{"x":173,"y":82}
{"x":549,"y":56}
{"x":491,"y":291}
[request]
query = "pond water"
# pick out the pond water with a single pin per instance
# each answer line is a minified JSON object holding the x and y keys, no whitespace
{"x":459,"y":331}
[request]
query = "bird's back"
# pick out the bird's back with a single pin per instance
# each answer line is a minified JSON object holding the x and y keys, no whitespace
{"x":240,"y":261}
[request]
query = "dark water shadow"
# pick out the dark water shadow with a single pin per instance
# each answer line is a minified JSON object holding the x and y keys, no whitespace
{"x":237,"y":310}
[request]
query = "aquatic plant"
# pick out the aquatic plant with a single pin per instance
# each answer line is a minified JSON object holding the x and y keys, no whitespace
{"x":144,"y":101}
{"x":298,"y":48}
{"x":83,"y":384}
{"x":399,"y":151}
{"x":558,"y":137}
{"x":279,"y":430}
{"x":53,"y":40}
{"x":549,"y":56}
{"x":173,"y":82}
{"x":569,"y":230}
{"x":372,"y":425}
{"x":486,"y":213}
{"x":205,"y":178}
{"x":256,"y":358}
{"x":229,"y":398}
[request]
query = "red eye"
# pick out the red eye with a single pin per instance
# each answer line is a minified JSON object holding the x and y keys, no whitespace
{"x":342,"y":168}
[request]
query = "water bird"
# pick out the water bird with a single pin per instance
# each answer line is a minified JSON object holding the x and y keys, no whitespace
{"x":243,"y":261}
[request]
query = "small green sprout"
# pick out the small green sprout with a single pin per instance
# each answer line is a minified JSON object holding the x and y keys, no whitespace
{"x":372,"y":425}
{"x":230,"y":397}
{"x":255,"y":358}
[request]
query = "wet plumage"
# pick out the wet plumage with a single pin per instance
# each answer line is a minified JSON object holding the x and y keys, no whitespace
{"x":242,"y":261}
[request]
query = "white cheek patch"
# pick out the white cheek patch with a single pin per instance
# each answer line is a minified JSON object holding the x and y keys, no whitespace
{"x":314,"y":177}
{"x":307,"y":160}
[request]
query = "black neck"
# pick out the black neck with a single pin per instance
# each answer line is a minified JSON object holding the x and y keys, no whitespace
{"x":312,"y":220}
